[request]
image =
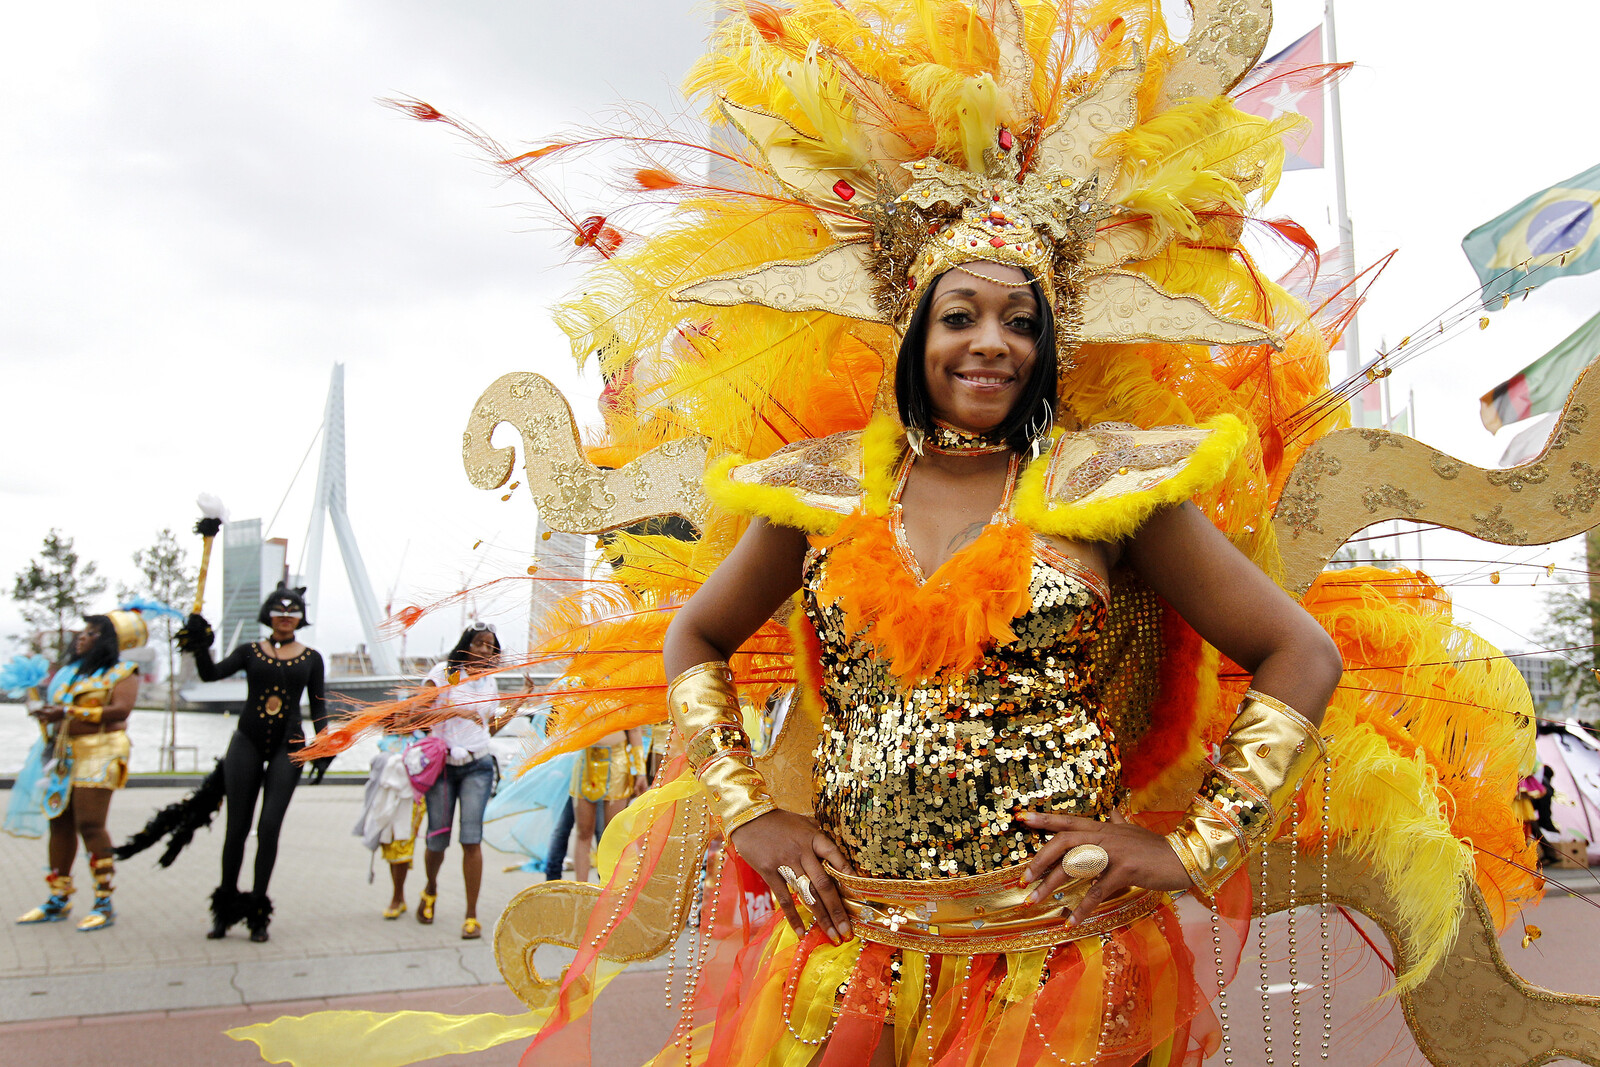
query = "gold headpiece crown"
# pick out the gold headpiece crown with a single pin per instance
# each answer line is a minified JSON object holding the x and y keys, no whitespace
{"x":949,"y":217}
{"x":130,"y":627}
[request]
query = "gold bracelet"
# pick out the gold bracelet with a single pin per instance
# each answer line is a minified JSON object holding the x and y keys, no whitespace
{"x":705,"y":709}
{"x":1244,"y":796}
{"x":86,"y":713}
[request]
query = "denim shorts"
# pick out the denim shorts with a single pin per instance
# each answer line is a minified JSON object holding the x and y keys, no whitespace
{"x":472,"y":783}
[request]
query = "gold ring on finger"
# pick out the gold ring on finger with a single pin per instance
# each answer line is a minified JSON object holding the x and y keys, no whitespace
{"x":1085,"y":861}
{"x":803,"y":885}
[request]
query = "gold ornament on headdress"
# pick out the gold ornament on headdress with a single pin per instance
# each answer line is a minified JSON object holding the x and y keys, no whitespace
{"x":1046,"y":211}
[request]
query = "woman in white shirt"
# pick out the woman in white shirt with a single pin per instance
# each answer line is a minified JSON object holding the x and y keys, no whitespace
{"x":470,"y":693}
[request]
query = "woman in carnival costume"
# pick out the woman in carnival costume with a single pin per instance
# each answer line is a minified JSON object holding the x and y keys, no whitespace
{"x":85,"y":721}
{"x":969,"y":352}
{"x":260,"y":760}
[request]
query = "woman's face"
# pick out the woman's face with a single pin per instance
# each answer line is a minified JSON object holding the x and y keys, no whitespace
{"x":283,"y":626}
{"x":86,"y":638}
{"x":980,"y":350}
{"x":482,"y":649}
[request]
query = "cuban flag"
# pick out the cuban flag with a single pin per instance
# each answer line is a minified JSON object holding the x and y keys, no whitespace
{"x":1292,"y":83}
{"x":1549,"y":235}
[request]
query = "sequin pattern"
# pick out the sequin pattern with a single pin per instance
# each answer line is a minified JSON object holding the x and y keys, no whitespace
{"x":1241,"y":805}
{"x":923,"y":782}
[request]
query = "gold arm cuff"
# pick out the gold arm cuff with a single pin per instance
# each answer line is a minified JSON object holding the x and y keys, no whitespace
{"x":636,"y":764}
{"x":703,"y":701}
{"x":91,"y":713}
{"x":712,"y":742}
{"x":1267,"y":751}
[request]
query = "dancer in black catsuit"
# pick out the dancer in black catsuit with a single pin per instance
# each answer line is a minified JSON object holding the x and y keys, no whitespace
{"x":259,"y":761}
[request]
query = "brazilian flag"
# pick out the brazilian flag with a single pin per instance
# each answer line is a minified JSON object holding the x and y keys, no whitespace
{"x":1551,"y":234}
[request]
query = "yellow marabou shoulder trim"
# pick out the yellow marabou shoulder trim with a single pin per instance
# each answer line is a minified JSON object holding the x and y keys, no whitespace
{"x":812,"y":485}
{"x":1102,"y":483}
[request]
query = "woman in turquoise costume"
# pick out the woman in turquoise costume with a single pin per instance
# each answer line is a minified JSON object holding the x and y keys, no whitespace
{"x":85,"y":719}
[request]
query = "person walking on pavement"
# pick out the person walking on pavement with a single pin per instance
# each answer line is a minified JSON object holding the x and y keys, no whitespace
{"x":468,"y":694}
{"x":85,"y":717}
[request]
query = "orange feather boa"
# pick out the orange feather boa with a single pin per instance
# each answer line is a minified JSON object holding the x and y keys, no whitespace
{"x":944,"y":624}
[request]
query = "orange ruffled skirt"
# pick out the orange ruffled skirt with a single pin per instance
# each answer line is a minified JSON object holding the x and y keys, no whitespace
{"x":1138,"y":994}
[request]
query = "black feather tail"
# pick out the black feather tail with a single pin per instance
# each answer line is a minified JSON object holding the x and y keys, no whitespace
{"x":178,"y":821}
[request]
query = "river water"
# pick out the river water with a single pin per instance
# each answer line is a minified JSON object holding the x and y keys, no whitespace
{"x":208,"y":734}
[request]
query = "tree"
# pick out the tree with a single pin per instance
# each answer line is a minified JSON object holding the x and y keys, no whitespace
{"x":54,"y":589}
{"x":1347,"y":557}
{"x":1572,"y":622}
{"x":163,"y":578}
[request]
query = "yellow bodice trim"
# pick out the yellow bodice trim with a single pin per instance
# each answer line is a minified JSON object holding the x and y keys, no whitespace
{"x":1097,"y":484}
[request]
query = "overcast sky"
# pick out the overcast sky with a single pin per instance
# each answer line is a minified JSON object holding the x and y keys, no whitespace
{"x":205,"y":209}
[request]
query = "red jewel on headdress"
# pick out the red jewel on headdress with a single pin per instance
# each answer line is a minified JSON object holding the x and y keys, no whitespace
{"x":1005,"y":140}
{"x":844,"y":190}
{"x":998,"y":242}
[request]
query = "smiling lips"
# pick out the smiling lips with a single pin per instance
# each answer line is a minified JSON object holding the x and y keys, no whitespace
{"x":985,"y":381}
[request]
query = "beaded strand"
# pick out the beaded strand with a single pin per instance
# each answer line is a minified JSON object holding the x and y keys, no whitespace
{"x":1107,"y":973}
{"x":1222,"y":988}
{"x":1294,"y":906}
{"x":672,"y":953}
{"x":788,"y":999}
{"x":686,"y":1000}
{"x":1261,"y":943}
{"x":702,"y":945}
{"x":1327,"y":977}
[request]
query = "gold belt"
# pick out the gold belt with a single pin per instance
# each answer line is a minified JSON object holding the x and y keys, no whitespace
{"x":979,"y":913}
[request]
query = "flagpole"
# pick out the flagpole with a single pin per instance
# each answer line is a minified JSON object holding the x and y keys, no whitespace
{"x":1347,"y":236}
{"x":1416,"y":431}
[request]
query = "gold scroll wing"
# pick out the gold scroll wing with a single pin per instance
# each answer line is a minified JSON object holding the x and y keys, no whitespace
{"x":1226,"y":40}
{"x":837,"y":281}
{"x":572,"y":494}
{"x":1353,"y":478}
{"x":1472,"y":1010}
{"x":558,"y":912}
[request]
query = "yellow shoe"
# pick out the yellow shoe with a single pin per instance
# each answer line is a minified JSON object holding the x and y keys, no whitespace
{"x":56,"y":907}
{"x":471,"y":930}
{"x":100,"y":917}
{"x":394,"y":911}
{"x":425,"y":908}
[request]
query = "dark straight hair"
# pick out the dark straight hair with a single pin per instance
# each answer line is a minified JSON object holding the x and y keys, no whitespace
{"x":458,"y":655}
{"x":911,"y":373}
{"x":105,"y":652}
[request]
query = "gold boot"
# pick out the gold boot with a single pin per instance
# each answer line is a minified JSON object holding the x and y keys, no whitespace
{"x":101,"y":915}
{"x":57,"y":906}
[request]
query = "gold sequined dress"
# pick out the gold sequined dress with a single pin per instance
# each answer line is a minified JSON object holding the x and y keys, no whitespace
{"x":919,"y":772}
{"x":924,"y":781}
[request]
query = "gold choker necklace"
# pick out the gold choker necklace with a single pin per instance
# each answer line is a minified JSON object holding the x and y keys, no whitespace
{"x":948,"y":440}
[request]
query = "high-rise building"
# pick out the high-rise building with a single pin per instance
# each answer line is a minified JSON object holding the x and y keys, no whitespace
{"x":562,"y":561}
{"x":251,"y":568}
{"x":1535,"y":670}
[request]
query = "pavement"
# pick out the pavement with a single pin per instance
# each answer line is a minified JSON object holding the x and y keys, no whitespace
{"x":151,"y":990}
